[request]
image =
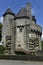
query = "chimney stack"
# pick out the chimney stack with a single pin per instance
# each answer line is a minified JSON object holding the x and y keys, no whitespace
{"x":28,"y":8}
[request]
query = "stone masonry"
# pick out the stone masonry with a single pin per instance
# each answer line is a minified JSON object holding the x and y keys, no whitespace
{"x":20,"y":33}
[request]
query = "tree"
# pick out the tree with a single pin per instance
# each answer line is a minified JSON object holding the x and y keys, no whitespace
{"x":0,"y":31}
{"x":42,"y":45}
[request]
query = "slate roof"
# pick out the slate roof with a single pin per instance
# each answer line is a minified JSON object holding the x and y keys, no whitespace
{"x":8,"y":11}
{"x":22,"y":12}
{"x":33,"y":18}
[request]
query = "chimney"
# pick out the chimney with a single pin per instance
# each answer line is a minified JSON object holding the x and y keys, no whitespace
{"x":28,"y":8}
{"x":28,"y":11}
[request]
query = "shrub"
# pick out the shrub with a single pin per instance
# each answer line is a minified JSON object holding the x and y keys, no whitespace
{"x":2,"y":49}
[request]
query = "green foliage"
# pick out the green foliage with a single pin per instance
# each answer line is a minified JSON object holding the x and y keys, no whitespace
{"x":0,"y":31}
{"x":42,"y":45}
{"x":2,"y":49}
{"x":1,"y":25}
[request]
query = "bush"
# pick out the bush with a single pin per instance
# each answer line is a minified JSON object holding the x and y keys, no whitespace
{"x":2,"y":49}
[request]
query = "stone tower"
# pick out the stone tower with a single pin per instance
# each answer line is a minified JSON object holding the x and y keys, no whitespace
{"x":20,"y":33}
{"x":8,"y":30}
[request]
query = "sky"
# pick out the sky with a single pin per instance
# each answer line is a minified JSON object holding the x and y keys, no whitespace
{"x":16,"y":5}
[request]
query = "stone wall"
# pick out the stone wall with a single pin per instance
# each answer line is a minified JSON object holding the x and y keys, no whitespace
{"x":21,"y":33}
{"x":8,"y":30}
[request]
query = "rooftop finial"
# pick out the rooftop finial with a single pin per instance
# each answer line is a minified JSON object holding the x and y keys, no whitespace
{"x":28,"y":3}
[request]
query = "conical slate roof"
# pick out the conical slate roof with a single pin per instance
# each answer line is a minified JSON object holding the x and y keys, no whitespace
{"x":8,"y":11}
{"x":21,"y":13}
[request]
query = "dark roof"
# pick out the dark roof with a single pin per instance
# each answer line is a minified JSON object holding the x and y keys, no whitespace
{"x":8,"y":11}
{"x":21,"y":13}
{"x":33,"y":18}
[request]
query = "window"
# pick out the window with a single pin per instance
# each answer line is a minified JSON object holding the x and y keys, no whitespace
{"x":8,"y":37}
{"x":20,"y":29}
{"x":19,"y":45}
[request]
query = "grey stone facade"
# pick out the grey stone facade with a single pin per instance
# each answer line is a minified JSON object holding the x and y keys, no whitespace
{"x":20,"y":33}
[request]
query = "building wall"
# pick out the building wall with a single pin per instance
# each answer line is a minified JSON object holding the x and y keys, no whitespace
{"x":24,"y":33}
{"x":8,"y":30}
{"x":20,"y":35}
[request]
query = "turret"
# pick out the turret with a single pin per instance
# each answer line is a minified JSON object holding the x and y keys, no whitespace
{"x":8,"y":30}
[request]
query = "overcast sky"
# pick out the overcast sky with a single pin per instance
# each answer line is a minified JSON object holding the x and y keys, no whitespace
{"x":15,"y":5}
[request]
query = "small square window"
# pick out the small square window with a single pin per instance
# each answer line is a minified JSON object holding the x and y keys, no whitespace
{"x":8,"y":37}
{"x":19,"y":45}
{"x":20,"y":30}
